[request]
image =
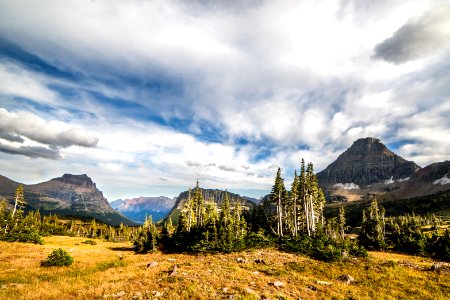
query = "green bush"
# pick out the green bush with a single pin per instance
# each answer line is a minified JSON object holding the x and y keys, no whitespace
{"x":89,"y":242}
{"x":146,"y":241}
{"x":59,"y":257}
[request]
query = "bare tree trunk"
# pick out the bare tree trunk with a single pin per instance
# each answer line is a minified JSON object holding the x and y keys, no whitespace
{"x":280,"y":215}
{"x":295,"y":217}
{"x":15,"y":206}
{"x":308,"y":228}
{"x":312,"y":221}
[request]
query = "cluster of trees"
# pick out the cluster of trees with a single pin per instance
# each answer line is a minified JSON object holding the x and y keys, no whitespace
{"x":291,"y":220}
{"x":202,"y":226}
{"x":301,"y":209}
{"x":16,"y":226}
{"x":408,"y":234}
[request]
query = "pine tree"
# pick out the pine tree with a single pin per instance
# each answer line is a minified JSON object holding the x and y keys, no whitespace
{"x":226,"y":225}
{"x":294,"y":203}
{"x":372,"y":226}
{"x":278,"y":196}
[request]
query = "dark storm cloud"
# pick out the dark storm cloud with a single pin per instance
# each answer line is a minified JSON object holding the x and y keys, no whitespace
{"x":419,"y":37}
{"x":31,"y":151}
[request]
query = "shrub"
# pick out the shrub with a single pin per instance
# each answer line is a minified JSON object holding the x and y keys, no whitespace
{"x":146,"y":241}
{"x":89,"y":242}
{"x":59,"y":257}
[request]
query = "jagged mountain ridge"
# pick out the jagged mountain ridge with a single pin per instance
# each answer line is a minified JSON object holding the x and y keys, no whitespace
{"x":138,"y":208}
{"x":67,"y":195}
{"x":368,"y":161}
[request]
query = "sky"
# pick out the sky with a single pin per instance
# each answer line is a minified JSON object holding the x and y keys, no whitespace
{"x":147,"y":96}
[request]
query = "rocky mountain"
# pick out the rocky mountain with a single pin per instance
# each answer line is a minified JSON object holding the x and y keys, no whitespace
{"x":217,"y":195}
{"x":138,"y":208}
{"x":368,"y":161}
{"x":429,"y":180}
{"x":369,"y":168}
{"x":68,"y":195}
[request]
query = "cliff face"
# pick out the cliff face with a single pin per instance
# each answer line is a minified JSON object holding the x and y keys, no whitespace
{"x":67,"y":195}
{"x":366,"y":162}
{"x":78,"y":192}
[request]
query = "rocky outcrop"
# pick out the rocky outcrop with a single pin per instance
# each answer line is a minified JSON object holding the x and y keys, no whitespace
{"x":366,"y":162}
{"x":79,"y":192}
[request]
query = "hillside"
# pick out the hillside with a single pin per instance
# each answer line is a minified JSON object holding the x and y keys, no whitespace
{"x":69,"y":194}
{"x":112,"y":271}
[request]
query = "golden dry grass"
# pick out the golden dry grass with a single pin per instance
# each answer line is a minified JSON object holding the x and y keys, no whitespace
{"x":99,"y":273}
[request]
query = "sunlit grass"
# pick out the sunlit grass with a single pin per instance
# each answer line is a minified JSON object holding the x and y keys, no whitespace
{"x":112,"y":270}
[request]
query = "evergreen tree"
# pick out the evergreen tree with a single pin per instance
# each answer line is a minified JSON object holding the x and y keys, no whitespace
{"x":278,"y":196}
{"x":294,"y":203}
{"x":372,"y":235}
{"x":226,"y":225}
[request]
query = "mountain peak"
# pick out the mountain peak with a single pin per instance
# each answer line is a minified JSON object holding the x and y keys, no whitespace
{"x":366,"y":162}
{"x":79,"y":180}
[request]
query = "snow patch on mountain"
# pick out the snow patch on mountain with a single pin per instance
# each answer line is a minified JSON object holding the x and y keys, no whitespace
{"x":442,"y":181}
{"x":347,"y":186}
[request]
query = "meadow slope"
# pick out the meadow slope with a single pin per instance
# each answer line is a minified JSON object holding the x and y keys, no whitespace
{"x":112,"y":271}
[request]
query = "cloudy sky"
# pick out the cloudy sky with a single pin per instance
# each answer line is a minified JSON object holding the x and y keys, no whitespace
{"x":147,"y":96}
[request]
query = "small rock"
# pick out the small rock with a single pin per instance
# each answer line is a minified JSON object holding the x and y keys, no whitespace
{"x":152,"y":264}
{"x":171,"y":259}
{"x":255,"y":272}
{"x":312,"y":288}
{"x":119,"y":294}
{"x":323,"y":282}
{"x":260,"y":261}
{"x":174,"y":271}
{"x":347,"y":279}
{"x":408,"y":264}
{"x":157,"y":294}
{"x":278,"y":284}
{"x":120,"y":256}
{"x":225,"y":290}
{"x":241,"y":260}
{"x":250,"y":291}
{"x":437,"y":266}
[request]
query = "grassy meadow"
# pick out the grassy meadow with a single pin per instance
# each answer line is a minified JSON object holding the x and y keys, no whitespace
{"x":112,"y":271}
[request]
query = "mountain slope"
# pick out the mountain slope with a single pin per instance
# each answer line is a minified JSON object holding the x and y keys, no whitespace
{"x":68,"y":195}
{"x":432,"y":179}
{"x":138,"y":208}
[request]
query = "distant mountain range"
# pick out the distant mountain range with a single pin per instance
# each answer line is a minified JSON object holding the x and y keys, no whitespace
{"x":369,"y":168}
{"x":67,"y":195}
{"x":138,"y":208}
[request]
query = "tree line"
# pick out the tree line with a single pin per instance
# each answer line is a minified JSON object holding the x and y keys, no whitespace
{"x":291,"y":220}
{"x":16,"y":226}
